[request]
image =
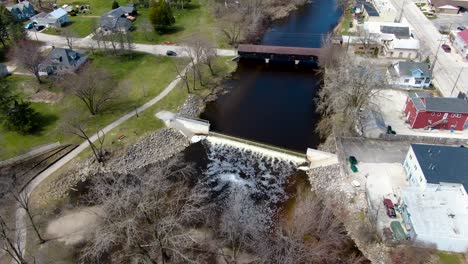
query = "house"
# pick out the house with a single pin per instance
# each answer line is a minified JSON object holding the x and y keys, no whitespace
{"x":435,"y":205}
{"x":388,"y":40}
{"x":410,"y":74}
{"x":22,"y":11}
{"x":424,"y":111}
{"x":61,"y":61}
{"x":119,"y":19}
{"x":449,"y":6}
{"x":460,"y":43}
{"x":56,"y":18}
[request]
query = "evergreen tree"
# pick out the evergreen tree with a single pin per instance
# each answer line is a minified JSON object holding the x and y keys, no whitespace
{"x":115,"y":5}
{"x":6,"y":98}
{"x":10,"y":28}
{"x":161,"y":15}
{"x":22,"y":118}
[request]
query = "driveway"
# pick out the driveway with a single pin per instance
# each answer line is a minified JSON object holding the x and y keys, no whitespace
{"x":447,"y":66}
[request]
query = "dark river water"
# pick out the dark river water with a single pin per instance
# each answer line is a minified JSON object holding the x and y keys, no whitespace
{"x":274,"y":103}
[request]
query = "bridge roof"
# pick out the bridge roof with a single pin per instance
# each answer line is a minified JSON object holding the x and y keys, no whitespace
{"x":279,"y":50}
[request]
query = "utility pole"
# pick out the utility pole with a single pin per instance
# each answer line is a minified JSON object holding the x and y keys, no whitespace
{"x":437,"y":53}
{"x":456,"y":81}
{"x":400,"y":15}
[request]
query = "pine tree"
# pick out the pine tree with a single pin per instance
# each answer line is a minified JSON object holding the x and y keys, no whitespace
{"x":10,"y":29}
{"x":115,"y":5}
{"x":22,"y":118}
{"x":161,"y":15}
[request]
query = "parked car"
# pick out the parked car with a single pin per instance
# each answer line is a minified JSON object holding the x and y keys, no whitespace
{"x":40,"y":27}
{"x":30,"y":25}
{"x":171,"y":53}
{"x":446,"y":48}
{"x":168,"y":43}
{"x":390,"y":208}
{"x":461,"y":27}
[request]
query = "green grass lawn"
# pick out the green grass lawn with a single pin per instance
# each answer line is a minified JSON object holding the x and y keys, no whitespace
{"x":80,"y":25}
{"x":141,"y":77}
{"x":448,"y":258}
{"x":344,"y":24}
{"x":195,"y":18}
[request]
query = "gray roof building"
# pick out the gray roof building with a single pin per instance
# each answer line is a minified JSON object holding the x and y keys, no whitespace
{"x":443,"y":163}
{"x":117,"y":19}
{"x":399,"y":32}
{"x":22,"y":11}
{"x":406,"y":68}
{"x":425,"y":102}
{"x":62,"y":60}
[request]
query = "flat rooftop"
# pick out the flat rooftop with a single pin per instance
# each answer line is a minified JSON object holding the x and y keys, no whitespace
{"x":437,"y":213}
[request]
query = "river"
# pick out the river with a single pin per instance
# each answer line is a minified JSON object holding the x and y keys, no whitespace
{"x":274,"y":103}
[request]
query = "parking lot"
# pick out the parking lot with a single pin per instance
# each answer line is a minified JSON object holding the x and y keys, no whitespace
{"x":446,"y":22}
{"x":380,"y":172}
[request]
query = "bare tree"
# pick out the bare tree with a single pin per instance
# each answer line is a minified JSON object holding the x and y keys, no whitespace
{"x":315,"y":236}
{"x":146,"y":27}
{"x":96,"y":88}
{"x":28,"y":55}
{"x":7,"y":242}
{"x":242,"y":223}
{"x":348,"y":88}
{"x":182,"y":73}
{"x":231,"y":25}
{"x":69,"y":36}
{"x":23,"y":200}
{"x":73,"y":125}
{"x":367,"y":39}
{"x":147,"y":215}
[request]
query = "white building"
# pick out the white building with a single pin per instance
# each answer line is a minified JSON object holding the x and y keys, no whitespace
{"x":410,"y":74}
{"x":435,"y":206}
{"x":56,"y":18}
{"x":392,"y":40}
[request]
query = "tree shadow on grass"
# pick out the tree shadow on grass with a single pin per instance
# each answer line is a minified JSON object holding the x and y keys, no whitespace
{"x":169,"y":30}
{"x":44,"y":120}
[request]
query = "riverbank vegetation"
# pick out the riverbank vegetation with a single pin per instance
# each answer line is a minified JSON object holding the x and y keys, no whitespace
{"x":246,"y":21}
{"x":348,"y":87}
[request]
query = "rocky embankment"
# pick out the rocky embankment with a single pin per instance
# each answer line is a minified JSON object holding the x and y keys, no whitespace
{"x":330,"y":182}
{"x":154,"y":147}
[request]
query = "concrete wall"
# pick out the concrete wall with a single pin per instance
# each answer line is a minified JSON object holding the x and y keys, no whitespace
{"x":425,"y":140}
{"x":414,"y":174}
{"x":196,"y":126}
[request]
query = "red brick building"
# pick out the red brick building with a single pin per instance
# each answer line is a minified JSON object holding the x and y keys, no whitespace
{"x":424,"y":111}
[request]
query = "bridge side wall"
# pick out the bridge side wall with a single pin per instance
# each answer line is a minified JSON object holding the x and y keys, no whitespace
{"x":197,"y":127}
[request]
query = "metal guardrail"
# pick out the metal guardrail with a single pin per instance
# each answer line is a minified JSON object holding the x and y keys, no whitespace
{"x":261,"y":145}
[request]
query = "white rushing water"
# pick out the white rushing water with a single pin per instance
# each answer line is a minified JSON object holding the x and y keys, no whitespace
{"x":260,"y":175}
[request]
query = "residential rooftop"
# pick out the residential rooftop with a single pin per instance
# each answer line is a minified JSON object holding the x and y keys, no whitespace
{"x":406,"y":68}
{"x":444,"y":164}
{"x":425,"y":102}
{"x":437,"y":213}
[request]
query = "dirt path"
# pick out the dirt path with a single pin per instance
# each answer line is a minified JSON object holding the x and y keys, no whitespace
{"x":75,"y":226}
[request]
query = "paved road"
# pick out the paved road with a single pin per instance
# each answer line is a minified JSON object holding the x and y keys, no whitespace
{"x":447,"y":67}
{"x":20,"y":215}
{"x":88,"y":42}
